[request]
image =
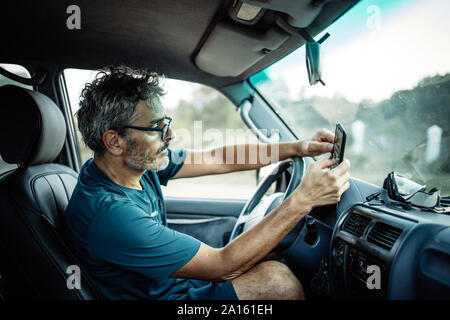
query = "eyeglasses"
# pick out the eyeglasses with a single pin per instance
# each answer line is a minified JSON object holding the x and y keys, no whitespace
{"x":163,"y":130}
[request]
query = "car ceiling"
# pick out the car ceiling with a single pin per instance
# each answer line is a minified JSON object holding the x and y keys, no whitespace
{"x":172,"y":37}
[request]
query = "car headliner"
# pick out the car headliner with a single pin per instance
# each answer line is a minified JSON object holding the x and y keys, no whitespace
{"x":163,"y":35}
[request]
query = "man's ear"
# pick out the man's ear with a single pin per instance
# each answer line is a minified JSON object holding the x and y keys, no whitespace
{"x":113,"y":142}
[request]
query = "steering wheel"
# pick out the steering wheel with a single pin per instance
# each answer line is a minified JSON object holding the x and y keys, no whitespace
{"x":256,"y":209}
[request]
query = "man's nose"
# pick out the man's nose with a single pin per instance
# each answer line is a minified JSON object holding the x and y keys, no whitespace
{"x":170,"y":135}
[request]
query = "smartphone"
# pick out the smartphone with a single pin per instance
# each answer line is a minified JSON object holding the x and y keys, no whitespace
{"x":340,"y":137}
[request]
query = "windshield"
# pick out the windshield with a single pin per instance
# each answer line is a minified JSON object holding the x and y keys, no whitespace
{"x":387,"y":76}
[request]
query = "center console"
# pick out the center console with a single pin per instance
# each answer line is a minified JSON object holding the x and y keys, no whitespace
{"x":364,"y":243}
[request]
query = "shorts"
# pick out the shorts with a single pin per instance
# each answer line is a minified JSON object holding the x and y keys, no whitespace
{"x":205,"y":290}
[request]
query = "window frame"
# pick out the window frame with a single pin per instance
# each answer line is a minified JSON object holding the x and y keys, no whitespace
{"x":73,"y":152}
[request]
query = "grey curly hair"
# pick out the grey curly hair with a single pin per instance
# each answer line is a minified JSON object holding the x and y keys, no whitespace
{"x":109,"y":102}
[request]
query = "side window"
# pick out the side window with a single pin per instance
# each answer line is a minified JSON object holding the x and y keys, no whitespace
{"x":75,"y":80}
{"x":203,"y":118}
{"x":21,"y":71}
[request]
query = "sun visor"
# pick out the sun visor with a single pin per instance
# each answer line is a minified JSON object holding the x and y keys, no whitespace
{"x":235,"y":46}
{"x":231,"y":49}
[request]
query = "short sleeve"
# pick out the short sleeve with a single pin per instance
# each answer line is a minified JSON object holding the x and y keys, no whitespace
{"x":176,"y":161}
{"x":125,"y":235}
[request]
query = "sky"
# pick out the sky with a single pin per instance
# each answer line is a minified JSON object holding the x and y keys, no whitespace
{"x":376,"y":50}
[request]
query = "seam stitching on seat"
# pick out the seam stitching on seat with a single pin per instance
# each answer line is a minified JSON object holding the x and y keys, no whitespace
{"x":64,"y":186}
{"x":53,"y":193}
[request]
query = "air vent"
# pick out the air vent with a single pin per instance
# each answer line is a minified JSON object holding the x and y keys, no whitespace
{"x":384,"y":235}
{"x":356,"y":224}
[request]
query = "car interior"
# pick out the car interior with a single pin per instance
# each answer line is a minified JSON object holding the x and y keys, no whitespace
{"x":226,"y":45}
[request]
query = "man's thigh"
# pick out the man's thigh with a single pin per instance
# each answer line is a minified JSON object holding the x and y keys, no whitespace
{"x":268,"y":280}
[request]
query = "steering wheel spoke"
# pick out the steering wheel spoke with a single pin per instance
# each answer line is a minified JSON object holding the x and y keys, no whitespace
{"x":260,"y":205}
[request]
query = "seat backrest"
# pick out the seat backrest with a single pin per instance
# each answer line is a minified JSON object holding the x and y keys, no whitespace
{"x":34,"y":257}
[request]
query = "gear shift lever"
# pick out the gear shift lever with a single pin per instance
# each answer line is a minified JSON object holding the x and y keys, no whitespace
{"x":311,"y":233}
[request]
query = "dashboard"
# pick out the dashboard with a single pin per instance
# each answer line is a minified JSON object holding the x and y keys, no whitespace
{"x":375,"y":249}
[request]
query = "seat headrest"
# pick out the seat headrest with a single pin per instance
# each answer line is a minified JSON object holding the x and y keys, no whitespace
{"x":32,"y":127}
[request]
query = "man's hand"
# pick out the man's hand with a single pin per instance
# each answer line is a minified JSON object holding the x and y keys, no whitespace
{"x":320,"y":143}
{"x":320,"y":187}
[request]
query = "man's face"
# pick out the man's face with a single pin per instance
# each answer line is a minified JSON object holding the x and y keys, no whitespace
{"x":145,"y":149}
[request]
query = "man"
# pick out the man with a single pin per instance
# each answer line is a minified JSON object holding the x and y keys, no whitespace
{"x":116,"y":219}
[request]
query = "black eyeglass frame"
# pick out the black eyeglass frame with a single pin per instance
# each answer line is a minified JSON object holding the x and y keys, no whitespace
{"x":163,"y":130}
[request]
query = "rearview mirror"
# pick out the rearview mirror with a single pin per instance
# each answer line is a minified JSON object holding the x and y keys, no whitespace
{"x":314,"y":60}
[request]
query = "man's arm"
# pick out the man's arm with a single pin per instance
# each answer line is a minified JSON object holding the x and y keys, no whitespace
{"x":319,"y":187}
{"x":251,"y":156}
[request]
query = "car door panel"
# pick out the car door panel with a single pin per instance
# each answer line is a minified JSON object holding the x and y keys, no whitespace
{"x":207,"y":220}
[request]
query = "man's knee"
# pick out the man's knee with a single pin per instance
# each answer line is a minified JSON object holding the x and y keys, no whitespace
{"x":269,"y":280}
{"x":282,"y":280}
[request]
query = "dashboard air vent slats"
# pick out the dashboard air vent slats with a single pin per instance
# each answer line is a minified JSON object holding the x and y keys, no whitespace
{"x":384,"y":235}
{"x":356,"y":224}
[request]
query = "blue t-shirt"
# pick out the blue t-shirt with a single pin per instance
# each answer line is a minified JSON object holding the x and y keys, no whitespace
{"x":121,"y":237}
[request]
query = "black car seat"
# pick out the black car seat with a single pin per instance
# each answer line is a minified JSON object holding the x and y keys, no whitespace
{"x":34,"y":258}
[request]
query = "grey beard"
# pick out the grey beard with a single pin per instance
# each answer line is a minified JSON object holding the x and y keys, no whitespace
{"x":156,"y":165}
{"x":139,"y":161}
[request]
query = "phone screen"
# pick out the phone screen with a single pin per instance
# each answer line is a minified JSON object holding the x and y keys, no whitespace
{"x":339,"y":145}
